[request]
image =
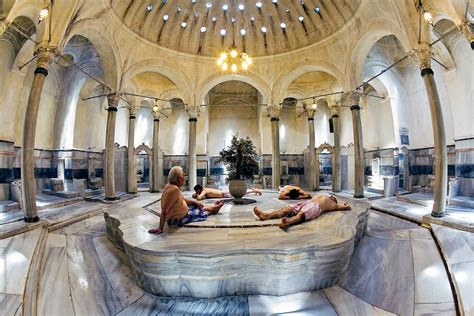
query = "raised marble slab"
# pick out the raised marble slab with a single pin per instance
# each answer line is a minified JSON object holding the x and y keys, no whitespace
{"x":233,"y":253}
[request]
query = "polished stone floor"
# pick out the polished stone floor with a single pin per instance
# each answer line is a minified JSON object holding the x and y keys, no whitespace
{"x":396,"y":269}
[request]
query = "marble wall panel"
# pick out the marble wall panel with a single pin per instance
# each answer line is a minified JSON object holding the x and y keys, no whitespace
{"x":90,"y":290}
{"x":152,"y":305}
{"x":16,"y":255}
{"x":10,"y":304}
{"x":379,"y":275}
{"x":121,"y":170}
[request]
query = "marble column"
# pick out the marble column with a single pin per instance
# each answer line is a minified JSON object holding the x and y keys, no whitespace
{"x":113,"y":100}
{"x":336,"y":158}
{"x":313,"y":182}
{"x":193,"y":113}
{"x":155,"y":178}
{"x":439,"y":135}
{"x":45,"y":56}
{"x":274,"y":112}
{"x":359,"y":172}
{"x":132,"y":161}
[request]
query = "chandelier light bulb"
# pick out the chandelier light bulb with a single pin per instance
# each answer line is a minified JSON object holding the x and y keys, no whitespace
{"x":155,"y":108}
{"x":314,"y":106}
{"x":234,"y":61}
{"x":43,"y":14}
{"x":243,"y":32}
{"x":428,"y":17}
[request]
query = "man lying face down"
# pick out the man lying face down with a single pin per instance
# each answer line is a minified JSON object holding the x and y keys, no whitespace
{"x":201,"y":193}
{"x":292,"y":192}
{"x":293,"y":214}
{"x":176,"y":210}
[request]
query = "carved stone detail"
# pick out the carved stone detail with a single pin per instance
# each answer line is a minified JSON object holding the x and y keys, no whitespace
{"x":45,"y":55}
{"x":193,"y":111}
{"x":113,"y":100}
{"x":273,"y":111}
{"x":422,"y":57}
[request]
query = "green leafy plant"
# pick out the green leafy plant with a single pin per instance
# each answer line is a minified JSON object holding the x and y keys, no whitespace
{"x":240,"y":159}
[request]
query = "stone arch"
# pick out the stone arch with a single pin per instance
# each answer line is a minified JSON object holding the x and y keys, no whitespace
{"x":164,"y":68}
{"x":105,"y":46}
{"x":17,"y":39}
{"x":213,"y":80}
{"x":374,"y":31}
{"x":145,"y":148}
{"x":280,"y":88}
{"x":325,"y":146}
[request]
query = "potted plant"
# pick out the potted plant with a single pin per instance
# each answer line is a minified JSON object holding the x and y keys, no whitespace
{"x":240,"y":160}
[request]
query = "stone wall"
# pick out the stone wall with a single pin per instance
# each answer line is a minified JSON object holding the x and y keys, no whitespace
{"x":421,"y":165}
{"x":464,"y":170}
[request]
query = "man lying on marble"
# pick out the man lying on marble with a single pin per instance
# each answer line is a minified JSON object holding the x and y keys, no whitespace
{"x":297,"y":213}
{"x":176,"y":210}
{"x":292,"y":192}
{"x":201,"y":193}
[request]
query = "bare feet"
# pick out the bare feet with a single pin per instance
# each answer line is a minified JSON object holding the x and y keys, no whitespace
{"x":262,"y":216}
{"x":284,"y":223}
{"x":155,"y":231}
{"x":256,"y":191}
{"x":215,"y":208}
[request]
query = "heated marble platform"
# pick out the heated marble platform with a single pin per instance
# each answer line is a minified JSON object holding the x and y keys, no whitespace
{"x":234,"y":253}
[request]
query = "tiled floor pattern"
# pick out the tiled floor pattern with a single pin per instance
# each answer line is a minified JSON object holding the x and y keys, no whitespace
{"x":396,"y":269}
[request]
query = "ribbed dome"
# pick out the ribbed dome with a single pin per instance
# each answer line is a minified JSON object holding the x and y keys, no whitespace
{"x":271,"y":26}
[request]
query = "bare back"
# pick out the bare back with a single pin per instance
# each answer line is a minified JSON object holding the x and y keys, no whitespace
{"x":212,"y":193}
{"x":173,"y":203}
{"x":327,"y":204}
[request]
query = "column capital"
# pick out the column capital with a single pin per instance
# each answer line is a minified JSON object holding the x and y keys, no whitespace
{"x":309,"y":110}
{"x":193,"y":111}
{"x":466,"y":30}
{"x":334,"y":110}
{"x":156,"y":115}
{"x":113,"y":100}
{"x":45,"y":55}
{"x":274,"y":111}
{"x":422,"y":56}
{"x":350,"y":98}
{"x":132,"y":111}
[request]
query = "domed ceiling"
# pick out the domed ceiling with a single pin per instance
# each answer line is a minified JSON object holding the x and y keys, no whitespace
{"x":260,"y":28}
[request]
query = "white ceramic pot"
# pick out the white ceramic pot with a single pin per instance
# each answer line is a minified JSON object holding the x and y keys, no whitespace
{"x":238,"y":188}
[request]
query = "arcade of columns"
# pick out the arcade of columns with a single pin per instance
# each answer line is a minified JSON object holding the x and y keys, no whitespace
{"x":46,"y":53}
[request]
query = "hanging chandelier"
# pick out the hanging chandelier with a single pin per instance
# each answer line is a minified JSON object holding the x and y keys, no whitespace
{"x":234,"y":61}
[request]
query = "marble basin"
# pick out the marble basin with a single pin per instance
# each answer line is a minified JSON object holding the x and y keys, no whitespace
{"x":233,"y":253}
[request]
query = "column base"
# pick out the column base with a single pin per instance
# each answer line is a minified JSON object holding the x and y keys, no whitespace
{"x":336,"y":191}
{"x":438,"y":215}
{"x":31,"y":219}
{"x":132,"y":192}
{"x":154,"y":191}
{"x":358,"y":196}
{"x":112,"y":198}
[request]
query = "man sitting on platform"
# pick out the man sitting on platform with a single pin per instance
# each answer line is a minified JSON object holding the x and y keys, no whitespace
{"x":292,"y":192}
{"x":176,"y":210}
{"x":303,"y":211}
{"x":208,"y":193}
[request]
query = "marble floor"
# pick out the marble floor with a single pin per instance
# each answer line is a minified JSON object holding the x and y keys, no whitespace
{"x":399,"y":268}
{"x":457,"y":217}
